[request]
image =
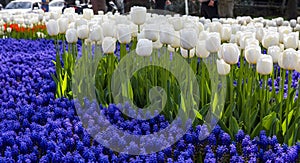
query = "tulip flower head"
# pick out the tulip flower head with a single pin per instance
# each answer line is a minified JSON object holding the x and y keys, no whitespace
{"x":288,"y":60}
{"x":222,"y":67}
{"x":71,"y":36}
{"x":109,"y":45}
{"x":144,"y":47}
{"x":252,"y":53}
{"x":138,"y":15}
{"x":124,"y":33}
{"x":230,"y":53}
{"x":201,"y":49}
{"x":264,"y":65}
{"x":52,"y":27}
{"x":274,"y":52}
{"x":188,"y":38}
{"x":213,"y":42}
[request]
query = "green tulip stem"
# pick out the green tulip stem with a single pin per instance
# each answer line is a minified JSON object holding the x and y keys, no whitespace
{"x":287,"y":108}
{"x":109,"y":75}
{"x":266,"y":77}
{"x":122,"y":50}
{"x":202,"y":64}
{"x":283,"y":76}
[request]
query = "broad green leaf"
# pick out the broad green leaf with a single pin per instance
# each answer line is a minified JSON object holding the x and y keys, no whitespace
{"x":289,"y":121}
{"x":268,"y":120}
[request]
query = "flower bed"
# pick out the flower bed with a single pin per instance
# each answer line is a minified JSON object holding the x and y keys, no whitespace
{"x":37,"y":127}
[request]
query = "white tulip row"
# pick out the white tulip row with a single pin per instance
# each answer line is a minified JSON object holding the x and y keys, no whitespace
{"x":200,"y":36}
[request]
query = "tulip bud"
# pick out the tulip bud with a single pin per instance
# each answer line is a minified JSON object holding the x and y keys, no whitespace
{"x":62,"y":25}
{"x":88,"y":13}
{"x":223,"y":67}
{"x":288,"y":59}
{"x":226,"y":33}
{"x":283,"y":30}
{"x":259,"y":34}
{"x":166,"y":34}
{"x":230,"y":53}
{"x":188,"y":38}
{"x":274,"y":52}
{"x":293,"y":23}
{"x":251,"y":41}
{"x":151,"y":32}
{"x":184,"y":53}
{"x":215,"y":27}
{"x":138,"y":15}
{"x":71,"y":36}
{"x":83,"y":32}
{"x":177,"y":23}
{"x":203,"y":35}
{"x":201,"y":49}
{"x":175,"y":39}
{"x":69,"y":10}
{"x":264,"y":65}
{"x":291,"y":40}
{"x":244,"y":37}
{"x":213,"y":42}
{"x":108,"y":29}
{"x":8,"y":29}
{"x":279,"y":21}
{"x":144,"y":47}
{"x":124,"y":33}
{"x":134,"y":30}
{"x":252,"y":53}
{"x":52,"y":28}
{"x":96,"y":33}
{"x":109,"y":45}
{"x":270,"y":39}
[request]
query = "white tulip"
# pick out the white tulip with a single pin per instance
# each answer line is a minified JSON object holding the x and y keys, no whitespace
{"x":177,"y":23}
{"x":298,"y":19}
{"x":288,"y":59}
{"x":144,"y":47}
{"x":166,"y":34}
{"x":88,"y":13}
{"x":244,"y":37}
{"x":69,"y":10}
{"x":96,"y":33}
{"x":270,"y":39}
{"x":264,"y":65}
{"x":274,"y":52}
{"x":201,"y":49}
{"x":80,"y":22}
{"x":151,"y":31}
{"x":52,"y":27}
{"x":188,"y":38}
{"x":213,"y":42}
{"x":157,"y":44}
{"x":230,"y":53}
{"x":260,"y":32}
{"x":184,"y":53}
{"x":203,"y":35}
{"x":109,"y":29}
{"x":134,"y":30}
{"x":83,"y":32}
{"x":71,"y":36}
{"x":283,"y":30}
{"x":279,"y":21}
{"x":109,"y":45}
{"x":138,"y":15}
{"x":226,"y":33}
{"x":124,"y":33}
{"x":63,"y":25}
{"x":8,"y":29}
{"x":252,"y":53}
{"x":293,"y":23}
{"x":215,"y":27}
{"x":222,"y":67}
{"x":291,"y":40}
{"x":251,"y":41}
{"x":175,"y":39}
{"x":171,"y":49}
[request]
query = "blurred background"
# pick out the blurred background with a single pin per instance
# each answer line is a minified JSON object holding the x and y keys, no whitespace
{"x":227,"y":8}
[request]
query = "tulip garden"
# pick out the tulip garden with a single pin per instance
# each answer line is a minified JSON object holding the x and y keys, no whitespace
{"x":92,"y":88}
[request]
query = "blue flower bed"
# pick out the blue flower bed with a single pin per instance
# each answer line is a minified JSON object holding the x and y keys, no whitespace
{"x":36,"y":127}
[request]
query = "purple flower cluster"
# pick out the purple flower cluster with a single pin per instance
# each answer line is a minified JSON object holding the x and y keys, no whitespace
{"x":36,"y":127}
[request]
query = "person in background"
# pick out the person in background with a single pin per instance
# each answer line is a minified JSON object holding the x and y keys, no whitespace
{"x":169,"y":5}
{"x":209,"y":8}
{"x":45,"y":5}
